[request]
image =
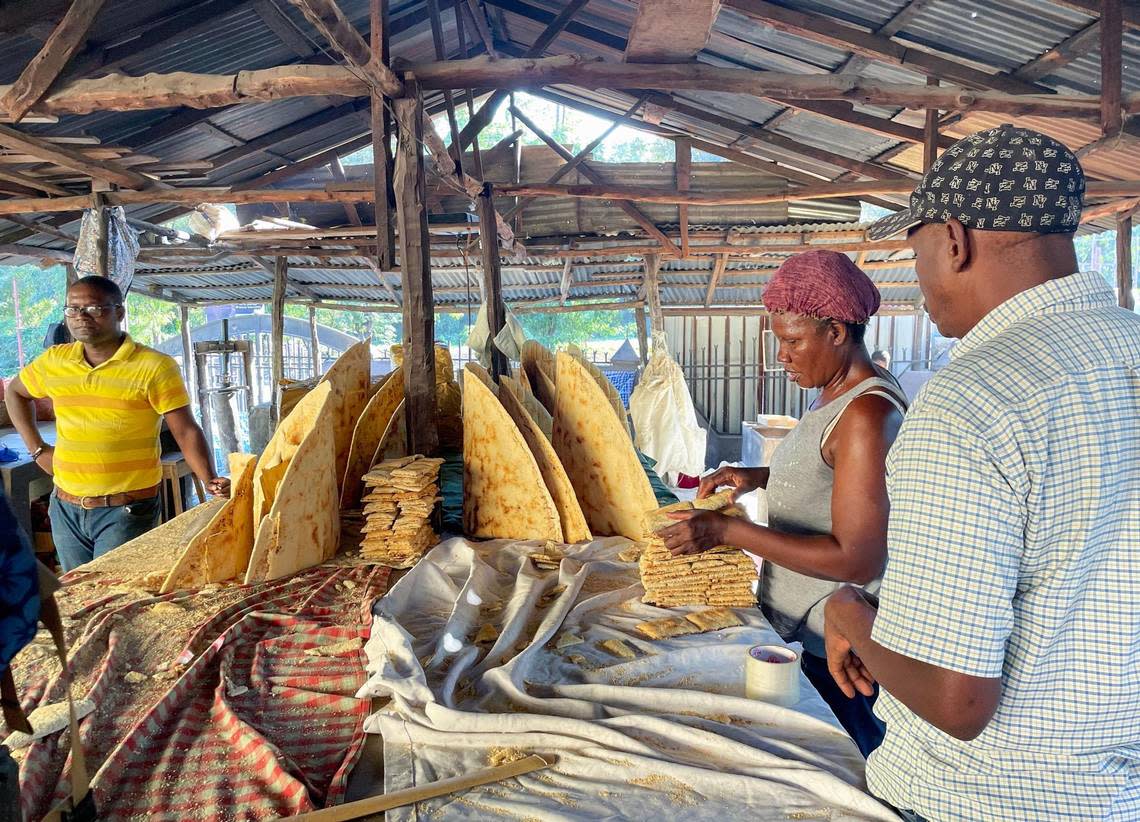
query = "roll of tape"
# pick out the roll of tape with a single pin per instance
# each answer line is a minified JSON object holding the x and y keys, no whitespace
{"x":772,"y":674}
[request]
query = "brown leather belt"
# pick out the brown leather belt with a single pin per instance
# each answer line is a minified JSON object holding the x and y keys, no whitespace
{"x":108,"y":500}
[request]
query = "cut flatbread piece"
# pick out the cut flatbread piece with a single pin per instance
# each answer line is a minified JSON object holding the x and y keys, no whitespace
{"x":567,"y":639}
{"x":504,"y":495}
{"x":714,"y":619}
{"x":666,"y":628}
{"x":221,"y":550}
{"x":603,"y":383}
{"x":598,"y":456}
{"x":367,"y":434}
{"x":574,"y":527}
{"x":487,"y":633}
{"x":302,"y":527}
{"x":394,"y":443}
{"x":539,"y":366}
{"x":530,"y":402}
{"x":617,"y":648}
{"x":351,"y":379}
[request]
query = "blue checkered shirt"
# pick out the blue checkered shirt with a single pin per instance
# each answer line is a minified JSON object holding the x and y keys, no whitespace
{"x":1014,"y":549}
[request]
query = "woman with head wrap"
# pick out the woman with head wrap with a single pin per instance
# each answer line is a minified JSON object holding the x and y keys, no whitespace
{"x":826,"y":486}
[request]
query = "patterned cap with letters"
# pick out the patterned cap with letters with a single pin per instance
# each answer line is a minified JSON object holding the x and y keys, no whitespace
{"x":1001,"y":179}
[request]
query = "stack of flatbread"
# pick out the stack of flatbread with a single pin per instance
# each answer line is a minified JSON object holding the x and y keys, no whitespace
{"x":720,"y":576}
{"x":398,"y":505}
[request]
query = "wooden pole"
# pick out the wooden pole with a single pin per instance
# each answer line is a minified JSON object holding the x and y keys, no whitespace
{"x":653,"y":295}
{"x":642,"y":335}
{"x":930,"y":133}
{"x":1111,"y":114}
{"x":187,"y":349}
{"x":1124,"y":261}
{"x":314,"y":341}
{"x":277,"y":333}
{"x":382,"y":146}
{"x":683,"y":170}
{"x":418,"y":314}
{"x":492,"y":279}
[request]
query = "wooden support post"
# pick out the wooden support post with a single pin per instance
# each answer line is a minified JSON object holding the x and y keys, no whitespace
{"x":1111,"y":113}
{"x":187,"y":350}
{"x":567,"y":279}
{"x":719,"y":265}
{"x":70,"y":274}
{"x":102,"y":240}
{"x":277,"y":334}
{"x":653,"y":295}
{"x":415,"y":273}
{"x":492,"y":279}
{"x":642,"y":335}
{"x":1124,"y":261}
{"x":314,"y":341}
{"x":683,"y":170}
{"x":382,"y":147}
{"x":930,"y":133}
{"x":448,"y":99}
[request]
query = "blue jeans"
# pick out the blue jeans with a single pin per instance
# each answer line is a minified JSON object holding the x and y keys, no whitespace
{"x":855,"y":715}
{"x":80,"y":534}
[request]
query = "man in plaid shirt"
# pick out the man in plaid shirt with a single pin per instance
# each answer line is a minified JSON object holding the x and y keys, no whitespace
{"x":1007,"y":638}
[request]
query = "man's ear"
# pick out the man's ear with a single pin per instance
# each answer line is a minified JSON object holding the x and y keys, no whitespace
{"x":959,"y":247}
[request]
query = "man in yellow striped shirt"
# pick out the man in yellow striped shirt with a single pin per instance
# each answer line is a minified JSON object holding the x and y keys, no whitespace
{"x":110,"y":396}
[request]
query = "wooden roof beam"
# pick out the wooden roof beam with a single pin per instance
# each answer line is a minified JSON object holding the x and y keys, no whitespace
{"x":667,"y":31}
{"x":650,"y":194}
{"x":714,"y":280}
{"x":1111,"y":113}
{"x":46,"y":66}
{"x":1065,"y":52}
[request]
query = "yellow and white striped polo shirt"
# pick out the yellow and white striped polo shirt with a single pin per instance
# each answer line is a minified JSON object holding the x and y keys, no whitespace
{"x":107,"y":416}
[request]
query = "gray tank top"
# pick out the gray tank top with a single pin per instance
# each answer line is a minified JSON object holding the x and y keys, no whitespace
{"x":799,"y":502}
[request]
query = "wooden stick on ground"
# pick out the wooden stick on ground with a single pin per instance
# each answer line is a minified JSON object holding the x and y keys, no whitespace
{"x":396,"y":799}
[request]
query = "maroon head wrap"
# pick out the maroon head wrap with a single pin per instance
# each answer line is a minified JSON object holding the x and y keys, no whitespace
{"x":822,"y":284}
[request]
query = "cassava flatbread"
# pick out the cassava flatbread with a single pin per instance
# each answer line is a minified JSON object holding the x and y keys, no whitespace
{"x":530,"y":402}
{"x":574,"y":527}
{"x":714,"y":619}
{"x":351,"y":378}
{"x":302,"y":526}
{"x":598,"y":456}
{"x":504,"y":495}
{"x":367,"y":434}
{"x":603,"y":383}
{"x":538,"y":363}
{"x":666,"y":628}
{"x":394,"y":443}
{"x":221,"y":550}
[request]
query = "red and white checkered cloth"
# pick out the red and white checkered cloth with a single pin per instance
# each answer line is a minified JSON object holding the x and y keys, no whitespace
{"x":262,"y":723}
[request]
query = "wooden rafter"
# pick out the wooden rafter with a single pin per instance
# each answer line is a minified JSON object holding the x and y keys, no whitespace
{"x":337,"y":172}
{"x":46,"y":66}
{"x":668,"y":196}
{"x":822,"y":29}
{"x":714,"y":280}
{"x":631,"y":211}
{"x":327,"y":18}
{"x":486,"y":112}
{"x":1065,"y":52}
{"x":902,"y":18}
{"x":682,"y":177}
{"x":567,"y":279}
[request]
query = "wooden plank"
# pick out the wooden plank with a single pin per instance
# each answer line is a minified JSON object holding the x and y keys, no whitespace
{"x":492,"y":278}
{"x":902,"y":18}
{"x":714,"y":280}
{"x":682,"y":176}
{"x":417,"y":308}
{"x":1065,"y":52}
{"x":481,"y":26}
{"x":1111,"y":115}
{"x":277,"y":332}
{"x":105,"y":170}
{"x":33,"y":182}
{"x":187,"y":350}
{"x":1124,"y":261}
{"x":668,"y":31}
{"x":448,"y":100}
{"x":280,"y":25}
{"x":45,"y":67}
{"x":479,"y":120}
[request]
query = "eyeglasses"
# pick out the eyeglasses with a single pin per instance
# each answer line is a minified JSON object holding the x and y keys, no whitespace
{"x":96,"y":311}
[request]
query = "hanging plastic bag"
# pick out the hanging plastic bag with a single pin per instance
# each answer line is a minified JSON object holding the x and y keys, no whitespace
{"x":511,"y":337}
{"x":509,"y":340}
{"x":479,"y":338}
{"x":122,"y":247}
{"x":665,"y":419}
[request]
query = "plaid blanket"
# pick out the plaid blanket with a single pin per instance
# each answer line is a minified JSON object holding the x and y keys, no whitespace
{"x":211,"y":705}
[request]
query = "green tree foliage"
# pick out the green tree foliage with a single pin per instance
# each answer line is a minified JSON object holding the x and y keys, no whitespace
{"x":40,"y":293}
